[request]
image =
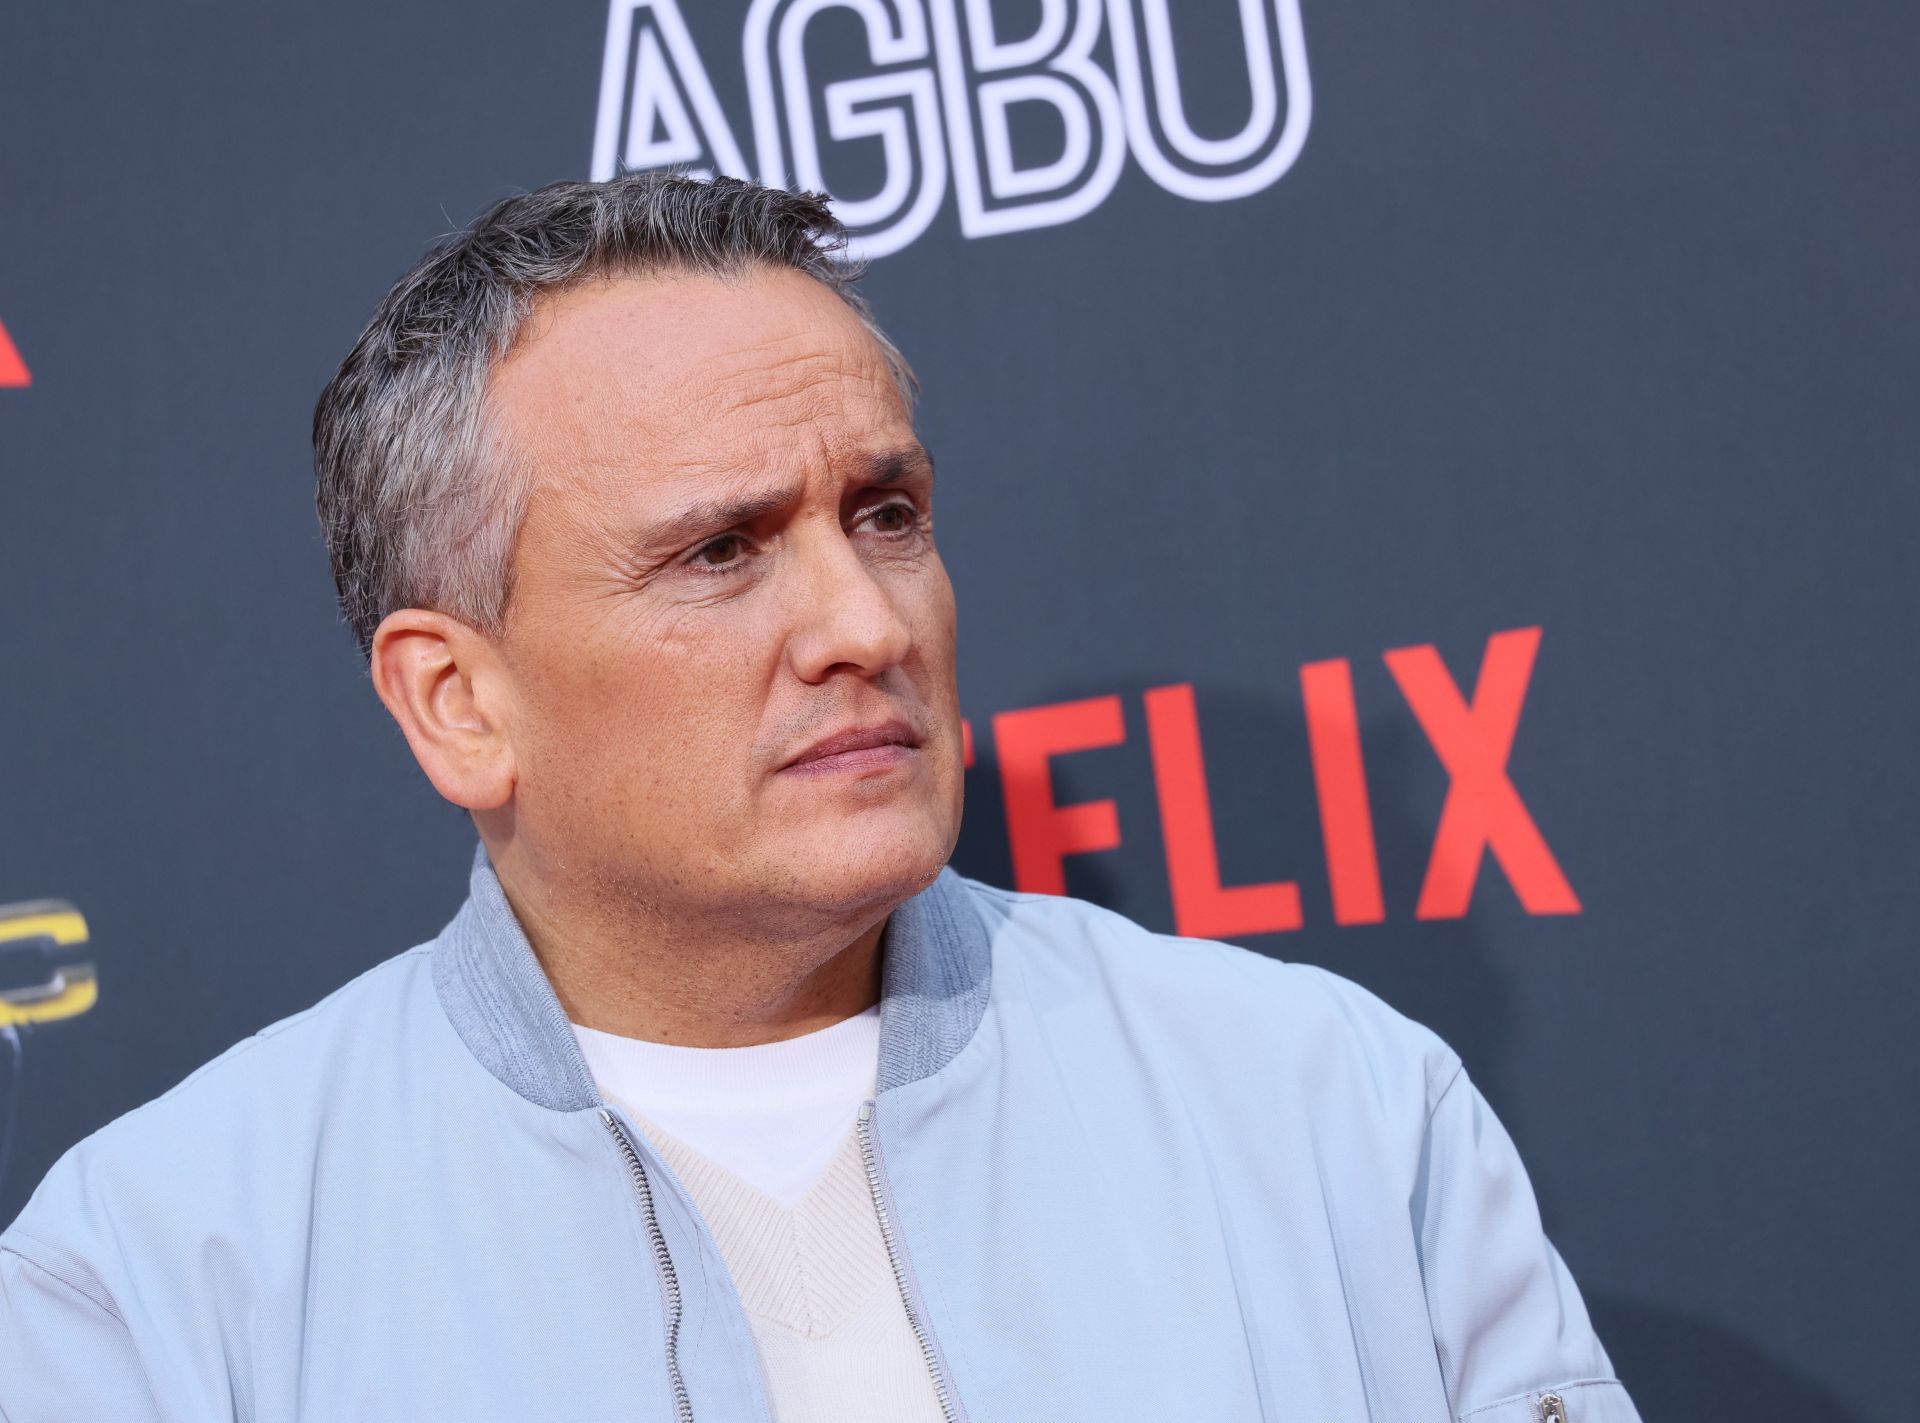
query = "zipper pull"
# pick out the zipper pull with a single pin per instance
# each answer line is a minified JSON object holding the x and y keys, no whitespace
{"x":1553,"y":1408}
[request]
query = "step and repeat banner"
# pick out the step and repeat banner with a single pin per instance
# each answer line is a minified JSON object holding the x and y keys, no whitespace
{"x":1431,"y":492}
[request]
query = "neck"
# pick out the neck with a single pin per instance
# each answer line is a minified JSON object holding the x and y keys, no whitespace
{"x":666,"y":978}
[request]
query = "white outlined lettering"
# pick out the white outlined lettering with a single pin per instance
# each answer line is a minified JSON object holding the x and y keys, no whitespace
{"x":942,"y":87}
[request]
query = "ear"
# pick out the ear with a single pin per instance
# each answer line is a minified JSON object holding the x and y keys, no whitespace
{"x":444,"y":684}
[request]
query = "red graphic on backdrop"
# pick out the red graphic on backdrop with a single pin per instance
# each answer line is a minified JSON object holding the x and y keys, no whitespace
{"x":1340,"y":785}
{"x":1483,"y":810}
{"x":1471,"y":736}
{"x":13,"y":370}
{"x":1041,"y":833}
{"x":1203,"y":908}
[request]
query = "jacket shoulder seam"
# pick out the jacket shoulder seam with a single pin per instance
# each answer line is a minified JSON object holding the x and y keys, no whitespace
{"x":1454,"y":1078}
{"x":1004,"y":895}
{"x":1073,"y":905}
{"x":35,"y":1261}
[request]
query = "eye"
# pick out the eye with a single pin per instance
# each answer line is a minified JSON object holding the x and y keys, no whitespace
{"x":719,"y":552}
{"x":894,"y":518}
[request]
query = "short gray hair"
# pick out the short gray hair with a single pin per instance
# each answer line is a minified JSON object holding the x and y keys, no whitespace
{"x":418,"y":502}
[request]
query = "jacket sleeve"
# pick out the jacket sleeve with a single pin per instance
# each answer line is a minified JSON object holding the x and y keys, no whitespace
{"x":64,"y":1352}
{"x":1509,"y":1326}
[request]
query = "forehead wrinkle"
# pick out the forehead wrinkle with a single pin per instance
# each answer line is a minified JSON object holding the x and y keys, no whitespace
{"x":797,"y":359}
{"x":766,"y":406}
{"x":790,"y":467}
{"x":802,"y":388}
{"x":711,"y":512}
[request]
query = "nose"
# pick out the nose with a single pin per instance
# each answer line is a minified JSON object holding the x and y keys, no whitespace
{"x":845,"y":618}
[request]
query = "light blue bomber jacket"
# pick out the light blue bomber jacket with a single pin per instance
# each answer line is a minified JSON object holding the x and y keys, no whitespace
{"x":1122,"y":1177}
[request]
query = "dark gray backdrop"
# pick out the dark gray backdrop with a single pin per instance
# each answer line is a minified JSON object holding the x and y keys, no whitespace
{"x":1595,"y":319}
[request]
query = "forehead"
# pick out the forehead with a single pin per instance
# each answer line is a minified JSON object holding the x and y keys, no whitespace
{"x":665,"y":377}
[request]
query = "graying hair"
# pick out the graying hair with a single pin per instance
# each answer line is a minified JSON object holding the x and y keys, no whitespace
{"x":419,"y":502}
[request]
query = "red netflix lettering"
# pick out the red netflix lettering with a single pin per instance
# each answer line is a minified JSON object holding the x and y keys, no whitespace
{"x":13,"y":370}
{"x":1482,"y":810}
{"x":1340,"y":784}
{"x":1203,"y":908}
{"x":1041,"y":833}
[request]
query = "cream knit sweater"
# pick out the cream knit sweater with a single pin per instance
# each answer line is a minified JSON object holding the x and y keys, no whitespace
{"x":834,"y":1339}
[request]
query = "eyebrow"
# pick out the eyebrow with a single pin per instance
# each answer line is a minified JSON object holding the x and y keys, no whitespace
{"x":716,"y":515}
{"x":894,"y":465}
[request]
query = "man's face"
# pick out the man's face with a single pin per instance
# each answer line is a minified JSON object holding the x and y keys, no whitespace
{"x":727,"y":560}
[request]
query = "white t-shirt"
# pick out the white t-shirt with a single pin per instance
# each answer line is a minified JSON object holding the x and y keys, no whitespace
{"x":772,"y":1114}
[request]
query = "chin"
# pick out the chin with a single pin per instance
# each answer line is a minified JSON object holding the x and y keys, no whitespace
{"x":873,"y":866}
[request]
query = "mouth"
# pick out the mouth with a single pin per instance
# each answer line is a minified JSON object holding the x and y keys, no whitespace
{"x":861,"y":749}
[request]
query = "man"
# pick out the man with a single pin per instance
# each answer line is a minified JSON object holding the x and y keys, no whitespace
{"x":721,"y":1098}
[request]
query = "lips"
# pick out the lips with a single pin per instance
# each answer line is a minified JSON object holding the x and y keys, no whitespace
{"x":843,"y":744}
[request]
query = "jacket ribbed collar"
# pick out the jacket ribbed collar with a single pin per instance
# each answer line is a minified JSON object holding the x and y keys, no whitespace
{"x":935,"y":962}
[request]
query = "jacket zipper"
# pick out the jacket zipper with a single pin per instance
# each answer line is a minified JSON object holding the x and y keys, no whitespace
{"x":663,"y":1262}
{"x":1553,"y":1408}
{"x":942,"y":1386}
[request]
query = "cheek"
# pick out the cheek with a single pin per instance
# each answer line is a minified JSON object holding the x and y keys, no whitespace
{"x":927,"y":600}
{"x":654,"y":708}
